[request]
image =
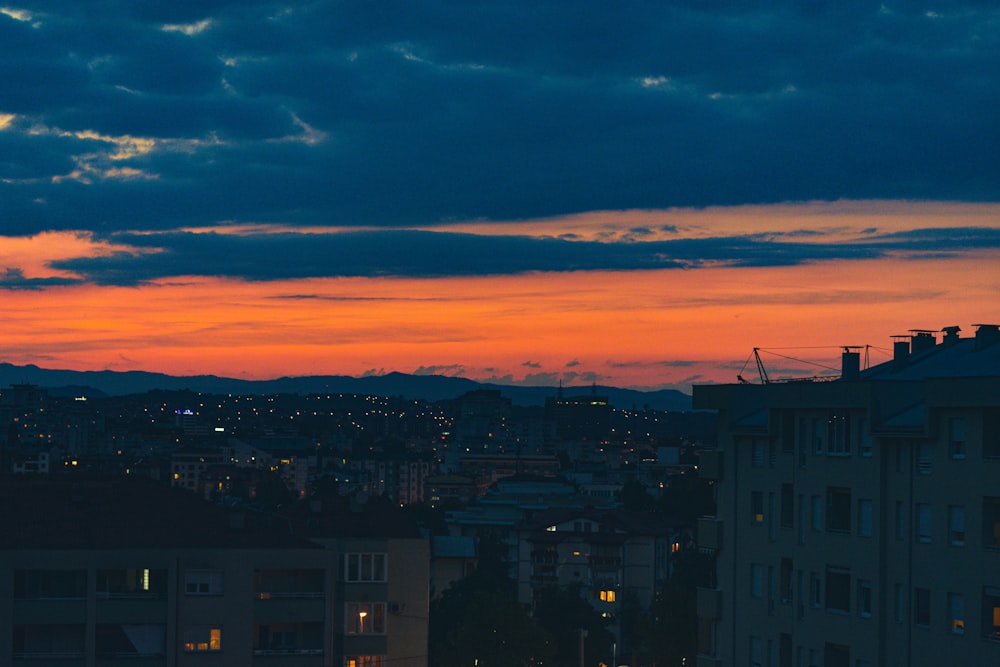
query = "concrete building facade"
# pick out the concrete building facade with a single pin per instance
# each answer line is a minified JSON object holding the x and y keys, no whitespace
{"x":858,"y":519}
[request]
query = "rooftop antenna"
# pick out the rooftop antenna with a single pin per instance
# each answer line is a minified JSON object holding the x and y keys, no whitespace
{"x":760,"y":367}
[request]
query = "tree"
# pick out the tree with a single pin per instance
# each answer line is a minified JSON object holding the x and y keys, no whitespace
{"x":563,"y":613}
{"x":495,"y":631}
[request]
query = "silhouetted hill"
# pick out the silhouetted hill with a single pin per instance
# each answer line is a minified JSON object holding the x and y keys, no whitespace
{"x":427,"y":387}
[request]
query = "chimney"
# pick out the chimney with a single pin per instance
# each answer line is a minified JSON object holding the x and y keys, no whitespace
{"x":950,"y":335}
{"x":900,"y":352}
{"x":850,"y":365}
{"x":986,"y":335}
{"x":921,"y":339}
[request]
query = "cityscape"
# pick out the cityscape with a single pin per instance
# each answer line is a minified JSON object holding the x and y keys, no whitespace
{"x":340,"y":333}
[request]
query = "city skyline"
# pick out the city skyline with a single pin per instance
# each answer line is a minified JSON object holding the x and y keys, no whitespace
{"x":628,"y":196}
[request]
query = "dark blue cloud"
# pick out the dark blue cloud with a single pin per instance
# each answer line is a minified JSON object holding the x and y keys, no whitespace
{"x":432,"y":254}
{"x":395,"y":112}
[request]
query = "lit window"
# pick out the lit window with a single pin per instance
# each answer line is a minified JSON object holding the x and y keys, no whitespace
{"x":991,"y":612}
{"x":956,"y":613}
{"x":202,"y":639}
{"x":364,"y":661}
{"x":756,"y":507}
{"x":365,"y":618}
{"x":607,"y":596}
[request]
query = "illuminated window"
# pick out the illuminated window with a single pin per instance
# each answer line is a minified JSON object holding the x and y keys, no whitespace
{"x":365,"y":567}
{"x":202,"y":639}
{"x":364,"y":618}
{"x":364,"y":661}
{"x":991,"y":612}
{"x":131,"y":583}
{"x":756,"y":507}
{"x":607,"y":596}
{"x":956,"y":613}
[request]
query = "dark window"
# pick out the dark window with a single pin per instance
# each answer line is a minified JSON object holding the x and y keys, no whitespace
{"x":991,"y":522}
{"x":991,"y":432}
{"x":787,"y":506}
{"x":864,"y":597}
{"x":956,"y":438}
{"x":839,"y":435}
{"x":838,"y":510}
{"x":922,"y":606}
{"x":786,"y":580}
{"x":836,"y":655}
{"x":50,"y":584}
{"x":838,"y":589}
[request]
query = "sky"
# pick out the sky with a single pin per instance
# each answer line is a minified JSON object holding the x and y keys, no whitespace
{"x":634,"y":194}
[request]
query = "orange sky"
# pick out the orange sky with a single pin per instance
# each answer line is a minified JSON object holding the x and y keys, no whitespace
{"x":638,"y":328}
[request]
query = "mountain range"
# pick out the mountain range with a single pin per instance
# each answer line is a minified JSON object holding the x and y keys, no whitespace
{"x":426,"y":387}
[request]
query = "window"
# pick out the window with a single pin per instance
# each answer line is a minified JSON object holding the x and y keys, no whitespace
{"x":364,"y":567}
{"x":787,"y":506}
{"x":269,"y":584}
{"x":956,"y":438}
{"x":364,"y":618}
{"x":50,"y":584}
{"x":802,"y":519}
{"x":203,"y":582}
{"x":606,"y":595}
{"x":991,"y":522}
{"x":137,"y":583}
{"x":813,"y":658}
{"x":838,"y":510}
{"x":923,"y":522}
{"x":756,"y":652}
{"x":202,"y":639}
{"x":898,"y":598}
{"x":757,"y":453}
{"x":864,"y":597}
{"x":819,"y":430}
{"x":707,"y":629}
{"x":865,"y":517}
{"x":803,"y":443}
{"x":756,"y":580}
{"x":815,"y":590}
{"x":836,"y":655}
{"x":54,"y":642}
{"x":838,"y":589}
{"x":925,"y":458}
{"x":114,"y":640}
{"x":922,"y":606}
{"x":817,"y":513}
{"x":839,"y":435}
{"x":900,"y":520}
{"x":288,"y":638}
{"x":364,"y":661}
{"x":865,"y":438}
{"x":756,"y":507}
{"x":956,"y":525}
{"x":956,"y":613}
{"x":786,"y":581}
{"x":991,"y":612}
{"x":991,"y":432}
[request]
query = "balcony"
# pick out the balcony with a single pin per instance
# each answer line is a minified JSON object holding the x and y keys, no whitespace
{"x":709,"y":603}
{"x":710,"y":533}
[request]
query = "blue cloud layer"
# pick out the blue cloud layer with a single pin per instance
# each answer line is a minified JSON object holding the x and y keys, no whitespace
{"x":407,"y":253}
{"x":394,"y":112}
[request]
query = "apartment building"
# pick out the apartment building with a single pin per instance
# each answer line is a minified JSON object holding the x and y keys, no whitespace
{"x":122,"y":572}
{"x":859,"y":519}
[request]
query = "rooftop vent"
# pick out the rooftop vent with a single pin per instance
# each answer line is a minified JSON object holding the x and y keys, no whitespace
{"x":986,"y":335}
{"x":921,"y":339}
{"x":850,"y":364}
{"x":950,"y":335}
